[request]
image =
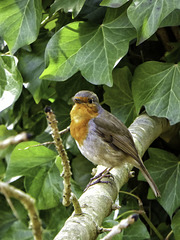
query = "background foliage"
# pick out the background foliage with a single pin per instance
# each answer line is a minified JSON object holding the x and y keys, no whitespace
{"x":125,"y":51}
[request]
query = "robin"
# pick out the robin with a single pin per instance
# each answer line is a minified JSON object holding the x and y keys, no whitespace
{"x":102,"y":138}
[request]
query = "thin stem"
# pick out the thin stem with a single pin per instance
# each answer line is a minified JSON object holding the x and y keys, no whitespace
{"x":144,"y":215}
{"x":169,"y":234}
{"x":75,"y":202}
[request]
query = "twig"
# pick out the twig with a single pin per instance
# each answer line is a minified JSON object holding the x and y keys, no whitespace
{"x":40,"y":144}
{"x":62,"y":153}
{"x":52,"y":142}
{"x":169,"y":234}
{"x":29,"y":204}
{"x":14,"y":140}
{"x":64,"y":130}
{"x":118,"y":228}
{"x":77,"y":208}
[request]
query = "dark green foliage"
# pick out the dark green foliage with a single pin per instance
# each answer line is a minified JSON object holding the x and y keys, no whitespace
{"x":125,"y":51}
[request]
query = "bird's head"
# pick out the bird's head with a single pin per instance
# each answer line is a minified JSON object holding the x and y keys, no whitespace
{"x":86,"y":97}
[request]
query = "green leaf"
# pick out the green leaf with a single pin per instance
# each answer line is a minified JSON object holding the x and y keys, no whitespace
{"x":94,"y":50}
{"x":73,"y":85}
{"x":73,"y":6}
{"x":113,"y":3}
{"x":6,"y":217}
{"x":119,"y":97}
{"x":92,"y":12}
{"x":165,"y":170}
{"x":5,"y":133}
{"x":25,"y":157}
{"x":146,"y":15}
{"x":70,"y":145}
{"x":156,"y":86}
{"x":18,"y":230}
{"x":30,"y":115}
{"x":172,"y":19}
{"x":54,"y":219}
{"x":10,"y":81}
{"x":45,"y":185}
{"x":31,"y":64}
{"x":19,"y":22}
{"x":62,"y":110}
{"x":174,"y":55}
{"x":81,"y":169}
{"x":176,"y":225}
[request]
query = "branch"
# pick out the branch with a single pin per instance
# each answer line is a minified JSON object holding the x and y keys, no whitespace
{"x":96,"y":202}
{"x":77,"y":208}
{"x":62,"y":153}
{"x":28,"y":202}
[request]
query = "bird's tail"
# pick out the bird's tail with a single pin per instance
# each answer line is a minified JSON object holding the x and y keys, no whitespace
{"x":150,"y":180}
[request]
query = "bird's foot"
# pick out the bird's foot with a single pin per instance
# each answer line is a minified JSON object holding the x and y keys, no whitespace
{"x":97,"y":179}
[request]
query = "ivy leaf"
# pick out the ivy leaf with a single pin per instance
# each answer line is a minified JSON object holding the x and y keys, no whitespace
{"x":68,"y":6}
{"x":45,"y":185}
{"x":62,"y":116}
{"x":81,"y":169}
{"x":18,"y":230}
{"x":52,"y":220}
{"x":165,"y":170}
{"x":6,"y":217}
{"x":72,"y":86}
{"x":19,"y":22}
{"x":119,"y":97}
{"x":94,"y":50}
{"x":23,"y":160}
{"x":172,"y":19}
{"x":156,"y":86}
{"x":176,"y":225}
{"x":113,"y":3}
{"x":92,"y":12}
{"x":31,"y":64}
{"x":146,"y":15}
{"x":10,"y":81}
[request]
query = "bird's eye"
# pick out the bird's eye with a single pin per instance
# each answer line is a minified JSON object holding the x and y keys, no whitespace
{"x":77,"y":100}
{"x":90,"y":100}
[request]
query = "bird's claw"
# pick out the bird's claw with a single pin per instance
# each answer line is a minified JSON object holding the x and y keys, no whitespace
{"x":97,"y":179}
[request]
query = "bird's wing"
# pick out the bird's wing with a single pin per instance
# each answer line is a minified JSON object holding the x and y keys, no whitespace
{"x":114,"y":132}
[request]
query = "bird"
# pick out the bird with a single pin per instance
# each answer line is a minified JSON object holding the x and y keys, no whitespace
{"x":102,"y":138}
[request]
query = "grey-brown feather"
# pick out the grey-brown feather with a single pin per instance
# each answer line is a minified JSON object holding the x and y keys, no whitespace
{"x":111,"y":130}
{"x":114,"y":132}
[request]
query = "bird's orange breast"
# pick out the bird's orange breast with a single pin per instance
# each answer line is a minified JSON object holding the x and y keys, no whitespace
{"x":80,"y":116}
